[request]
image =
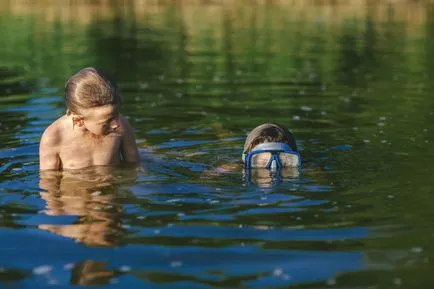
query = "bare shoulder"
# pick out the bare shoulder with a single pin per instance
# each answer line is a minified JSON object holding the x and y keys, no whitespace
{"x":57,"y":133}
{"x":129,"y":149}
{"x":226,"y":168}
{"x":52,"y":135}
{"x":229,"y":167}
{"x":50,"y":144}
{"x":125,"y":125}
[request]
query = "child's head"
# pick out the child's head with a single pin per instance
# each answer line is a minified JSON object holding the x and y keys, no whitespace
{"x":270,"y":145}
{"x":269,"y":132}
{"x":93,"y":99}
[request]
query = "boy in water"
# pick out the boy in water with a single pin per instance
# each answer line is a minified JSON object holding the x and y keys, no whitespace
{"x":270,"y":146}
{"x":270,"y":153}
{"x":92,"y":132}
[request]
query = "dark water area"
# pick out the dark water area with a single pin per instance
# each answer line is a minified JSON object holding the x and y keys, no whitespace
{"x":354,"y":88}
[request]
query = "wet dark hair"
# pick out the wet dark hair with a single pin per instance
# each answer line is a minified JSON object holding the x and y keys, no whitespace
{"x":90,"y":87}
{"x":269,"y":132}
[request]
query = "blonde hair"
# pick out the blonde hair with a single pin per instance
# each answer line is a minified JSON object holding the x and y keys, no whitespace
{"x":269,"y":132}
{"x":90,"y":87}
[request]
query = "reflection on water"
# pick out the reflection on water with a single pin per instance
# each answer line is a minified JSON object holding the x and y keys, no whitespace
{"x":89,"y":194}
{"x":352,"y":82}
{"x":90,"y":272}
{"x":265,"y":178}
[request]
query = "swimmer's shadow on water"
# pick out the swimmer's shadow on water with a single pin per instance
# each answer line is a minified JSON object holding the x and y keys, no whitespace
{"x":164,"y":166}
{"x":185,"y":169}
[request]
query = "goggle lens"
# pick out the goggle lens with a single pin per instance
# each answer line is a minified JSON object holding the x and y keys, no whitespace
{"x":271,"y":156}
{"x":260,"y":160}
{"x":289,"y":160}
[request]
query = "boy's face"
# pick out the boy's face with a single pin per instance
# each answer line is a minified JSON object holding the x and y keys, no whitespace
{"x":101,"y":120}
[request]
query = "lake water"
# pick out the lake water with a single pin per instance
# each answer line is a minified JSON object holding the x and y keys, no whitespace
{"x":354,"y":83}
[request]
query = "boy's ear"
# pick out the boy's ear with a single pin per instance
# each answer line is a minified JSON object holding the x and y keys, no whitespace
{"x":77,"y":120}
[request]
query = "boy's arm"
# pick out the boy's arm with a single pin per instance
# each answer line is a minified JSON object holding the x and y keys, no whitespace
{"x":128,"y":147}
{"x":48,"y":150}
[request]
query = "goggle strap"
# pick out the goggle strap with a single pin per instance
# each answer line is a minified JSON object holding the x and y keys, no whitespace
{"x":272,"y":146}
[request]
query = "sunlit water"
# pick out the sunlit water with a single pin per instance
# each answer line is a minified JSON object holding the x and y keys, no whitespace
{"x":356,"y":90}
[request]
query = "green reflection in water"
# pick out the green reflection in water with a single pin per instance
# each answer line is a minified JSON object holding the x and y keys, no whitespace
{"x":355,"y":90}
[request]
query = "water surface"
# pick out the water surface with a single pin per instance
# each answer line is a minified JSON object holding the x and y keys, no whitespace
{"x":353,"y":83}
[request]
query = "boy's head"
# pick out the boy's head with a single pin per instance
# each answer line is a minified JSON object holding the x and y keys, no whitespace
{"x":93,"y":100}
{"x":269,"y":133}
{"x":89,"y":88}
{"x":270,"y":146}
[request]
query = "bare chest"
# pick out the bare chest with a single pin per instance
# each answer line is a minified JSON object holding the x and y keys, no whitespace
{"x":86,"y":152}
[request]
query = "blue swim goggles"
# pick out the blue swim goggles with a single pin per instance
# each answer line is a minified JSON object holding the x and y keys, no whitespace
{"x":272,"y":156}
